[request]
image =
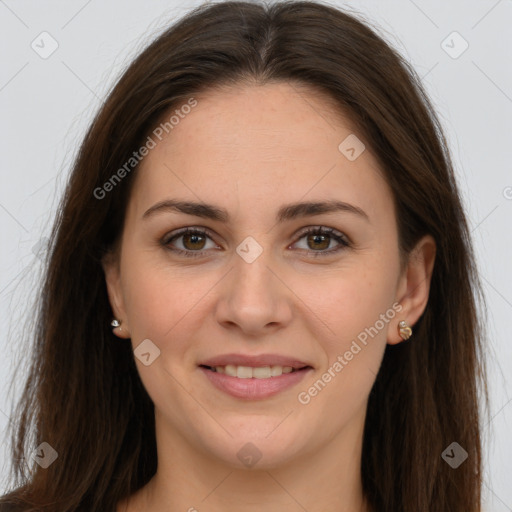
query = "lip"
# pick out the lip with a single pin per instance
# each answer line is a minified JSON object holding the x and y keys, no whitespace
{"x":254,"y":361}
{"x":254,"y":389}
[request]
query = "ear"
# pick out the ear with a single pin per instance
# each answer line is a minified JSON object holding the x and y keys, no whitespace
{"x":414,"y":286}
{"x":110,"y":264}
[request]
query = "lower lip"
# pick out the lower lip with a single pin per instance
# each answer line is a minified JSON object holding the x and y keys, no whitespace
{"x":254,"y":389}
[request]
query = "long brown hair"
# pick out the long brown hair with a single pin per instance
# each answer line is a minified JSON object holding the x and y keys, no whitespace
{"x":83,"y":395}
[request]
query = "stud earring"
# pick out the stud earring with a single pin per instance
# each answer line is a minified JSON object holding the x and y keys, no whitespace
{"x":404,"y":330}
{"x":115,"y":323}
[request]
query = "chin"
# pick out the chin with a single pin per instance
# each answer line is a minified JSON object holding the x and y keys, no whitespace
{"x":256,"y":445}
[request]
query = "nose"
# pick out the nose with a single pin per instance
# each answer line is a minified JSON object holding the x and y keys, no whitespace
{"x":254,"y":299}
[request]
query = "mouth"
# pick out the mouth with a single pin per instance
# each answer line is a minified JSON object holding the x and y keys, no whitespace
{"x":254,"y":382}
{"x":251,"y":372}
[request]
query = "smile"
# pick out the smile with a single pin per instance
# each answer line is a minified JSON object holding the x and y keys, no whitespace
{"x":253,"y":383}
{"x":248,"y":372}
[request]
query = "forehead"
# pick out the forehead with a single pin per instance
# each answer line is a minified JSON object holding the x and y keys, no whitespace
{"x":259,"y":143}
{"x":266,"y":121}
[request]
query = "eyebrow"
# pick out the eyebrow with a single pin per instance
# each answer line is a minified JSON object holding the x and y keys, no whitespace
{"x":285,"y":212}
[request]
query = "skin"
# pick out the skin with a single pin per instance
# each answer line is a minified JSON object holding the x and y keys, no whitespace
{"x":249,"y":150}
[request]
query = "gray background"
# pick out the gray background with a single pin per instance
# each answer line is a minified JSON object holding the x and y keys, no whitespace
{"x":47,"y":103}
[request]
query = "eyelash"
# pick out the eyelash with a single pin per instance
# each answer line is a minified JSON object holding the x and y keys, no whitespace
{"x":317,"y":230}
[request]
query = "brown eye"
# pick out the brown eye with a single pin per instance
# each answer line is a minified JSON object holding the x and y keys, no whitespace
{"x":189,"y":242}
{"x":318,"y":242}
{"x":193,"y":241}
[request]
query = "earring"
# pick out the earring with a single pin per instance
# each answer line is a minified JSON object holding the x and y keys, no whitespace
{"x":404,"y":330}
{"x":115,"y":323}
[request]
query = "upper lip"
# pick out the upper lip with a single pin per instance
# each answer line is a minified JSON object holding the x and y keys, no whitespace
{"x":253,"y":361}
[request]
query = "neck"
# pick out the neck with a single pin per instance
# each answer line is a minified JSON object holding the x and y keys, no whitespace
{"x":326,"y":479}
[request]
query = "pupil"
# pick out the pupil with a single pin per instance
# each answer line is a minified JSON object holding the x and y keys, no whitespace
{"x":323,"y":239}
{"x":190,"y":241}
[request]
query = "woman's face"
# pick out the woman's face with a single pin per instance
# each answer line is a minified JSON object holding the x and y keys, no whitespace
{"x":252,"y":285}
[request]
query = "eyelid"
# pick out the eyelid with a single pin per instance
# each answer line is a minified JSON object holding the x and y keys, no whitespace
{"x":342,"y":239}
{"x":189,"y":229}
{"x":323,"y":230}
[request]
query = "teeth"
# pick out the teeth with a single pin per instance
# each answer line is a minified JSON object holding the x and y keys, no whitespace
{"x":275,"y":371}
{"x":248,"y":372}
{"x":244,"y":372}
{"x":261,"y":373}
{"x":230,"y":370}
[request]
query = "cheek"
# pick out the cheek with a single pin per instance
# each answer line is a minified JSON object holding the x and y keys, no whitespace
{"x":356,"y":304}
{"x":165,"y":304}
